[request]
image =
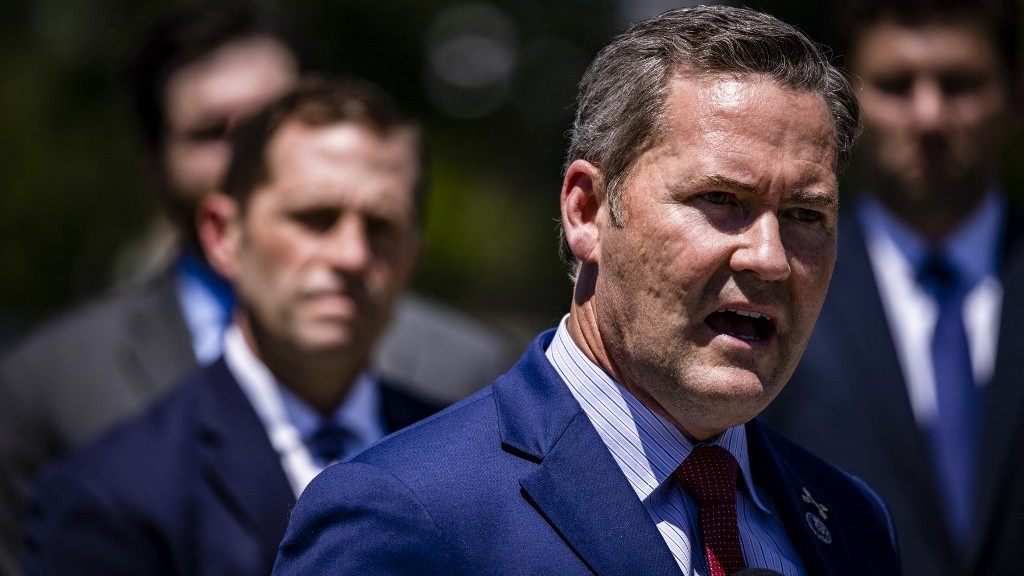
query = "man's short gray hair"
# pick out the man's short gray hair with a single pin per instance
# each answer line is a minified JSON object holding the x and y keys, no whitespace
{"x":621,"y":101}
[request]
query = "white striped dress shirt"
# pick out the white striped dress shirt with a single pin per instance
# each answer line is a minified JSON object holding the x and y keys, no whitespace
{"x":648,"y":449}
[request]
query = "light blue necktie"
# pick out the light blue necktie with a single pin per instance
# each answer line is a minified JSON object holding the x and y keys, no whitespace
{"x":954,"y":433}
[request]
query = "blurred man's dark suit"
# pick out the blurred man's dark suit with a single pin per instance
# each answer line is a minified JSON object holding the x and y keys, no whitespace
{"x":74,"y":378}
{"x":848,"y":402}
{"x":191,"y":486}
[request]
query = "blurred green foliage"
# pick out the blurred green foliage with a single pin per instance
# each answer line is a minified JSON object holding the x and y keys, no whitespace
{"x":72,"y":194}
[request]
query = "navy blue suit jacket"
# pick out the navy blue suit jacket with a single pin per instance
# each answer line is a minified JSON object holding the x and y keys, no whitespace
{"x":848,"y":402}
{"x":190,"y":487}
{"x":515,"y":480}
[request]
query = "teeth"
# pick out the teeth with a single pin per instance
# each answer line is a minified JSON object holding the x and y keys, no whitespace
{"x":748,"y":313}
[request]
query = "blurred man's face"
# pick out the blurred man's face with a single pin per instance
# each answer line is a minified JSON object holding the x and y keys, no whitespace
{"x":326,"y":245}
{"x":204,"y":101}
{"x":705,"y":297}
{"x":933,"y":101}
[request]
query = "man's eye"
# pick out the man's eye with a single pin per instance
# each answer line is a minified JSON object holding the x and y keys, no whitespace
{"x":317,"y":220}
{"x":957,"y":84}
{"x":210,"y":133}
{"x":894,"y":85}
{"x":379,"y":227}
{"x":806,"y":215}
{"x":717,"y":197}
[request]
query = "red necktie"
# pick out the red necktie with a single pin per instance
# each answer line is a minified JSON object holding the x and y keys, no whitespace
{"x":709,"y":473}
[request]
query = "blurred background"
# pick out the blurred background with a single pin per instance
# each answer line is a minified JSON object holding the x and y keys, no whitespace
{"x":492,"y":80}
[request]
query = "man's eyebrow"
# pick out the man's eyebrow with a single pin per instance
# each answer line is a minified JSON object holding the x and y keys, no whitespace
{"x":726,"y":183}
{"x":798,"y":196}
{"x":813,"y":199}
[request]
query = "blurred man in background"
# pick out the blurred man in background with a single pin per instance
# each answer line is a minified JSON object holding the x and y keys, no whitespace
{"x":198,"y":74}
{"x":318,"y":230}
{"x":912,"y":379}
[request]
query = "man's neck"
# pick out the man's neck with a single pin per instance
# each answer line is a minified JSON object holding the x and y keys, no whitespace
{"x":933,"y":214}
{"x":323,"y":381}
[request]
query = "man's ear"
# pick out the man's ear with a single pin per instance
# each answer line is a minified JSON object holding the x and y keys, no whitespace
{"x":219,"y":228}
{"x":582,"y":198}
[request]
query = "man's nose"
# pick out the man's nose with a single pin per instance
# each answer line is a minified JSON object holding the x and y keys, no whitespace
{"x":761,"y":250}
{"x":927,"y":105}
{"x":347,"y":247}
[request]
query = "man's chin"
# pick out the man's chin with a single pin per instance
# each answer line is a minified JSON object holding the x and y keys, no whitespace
{"x":743,"y":387}
{"x":323,"y":341}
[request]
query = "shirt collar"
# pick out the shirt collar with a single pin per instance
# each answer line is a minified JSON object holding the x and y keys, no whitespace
{"x":289,"y":419}
{"x":973,"y":247}
{"x":647,"y":447}
{"x":190,"y":263}
{"x":359,"y":414}
{"x":206,"y":300}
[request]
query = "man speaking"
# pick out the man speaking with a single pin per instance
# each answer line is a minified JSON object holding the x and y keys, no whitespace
{"x":699,"y":213}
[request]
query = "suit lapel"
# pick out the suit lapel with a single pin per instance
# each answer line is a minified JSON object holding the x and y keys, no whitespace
{"x":1003,"y":406}
{"x":855,"y":302}
{"x":157,"y":347}
{"x":577,"y":487}
{"x":774,"y":475}
{"x":238,"y":460}
{"x":856,"y":306}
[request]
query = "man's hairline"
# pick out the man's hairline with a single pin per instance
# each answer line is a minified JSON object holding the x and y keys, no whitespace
{"x":174,"y":71}
{"x":414,"y":143}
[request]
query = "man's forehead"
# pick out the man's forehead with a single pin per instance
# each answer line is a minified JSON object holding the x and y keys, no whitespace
{"x":723,"y":114}
{"x":728,"y":88}
{"x":303,"y":151}
{"x":234,"y":78}
{"x":725,"y":92}
{"x":343,"y":137}
{"x":242,"y":48}
{"x":936,"y":30}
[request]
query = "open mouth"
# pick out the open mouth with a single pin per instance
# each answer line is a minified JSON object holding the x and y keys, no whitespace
{"x":742,"y":324}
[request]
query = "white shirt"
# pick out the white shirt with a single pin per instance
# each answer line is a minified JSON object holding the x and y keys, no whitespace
{"x":648,"y":449}
{"x":895,"y":252}
{"x":288,"y":420}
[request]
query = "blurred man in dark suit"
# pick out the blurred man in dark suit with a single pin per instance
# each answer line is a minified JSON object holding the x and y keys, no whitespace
{"x":318,"y":230}
{"x":200,"y":72}
{"x":912,"y":379}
